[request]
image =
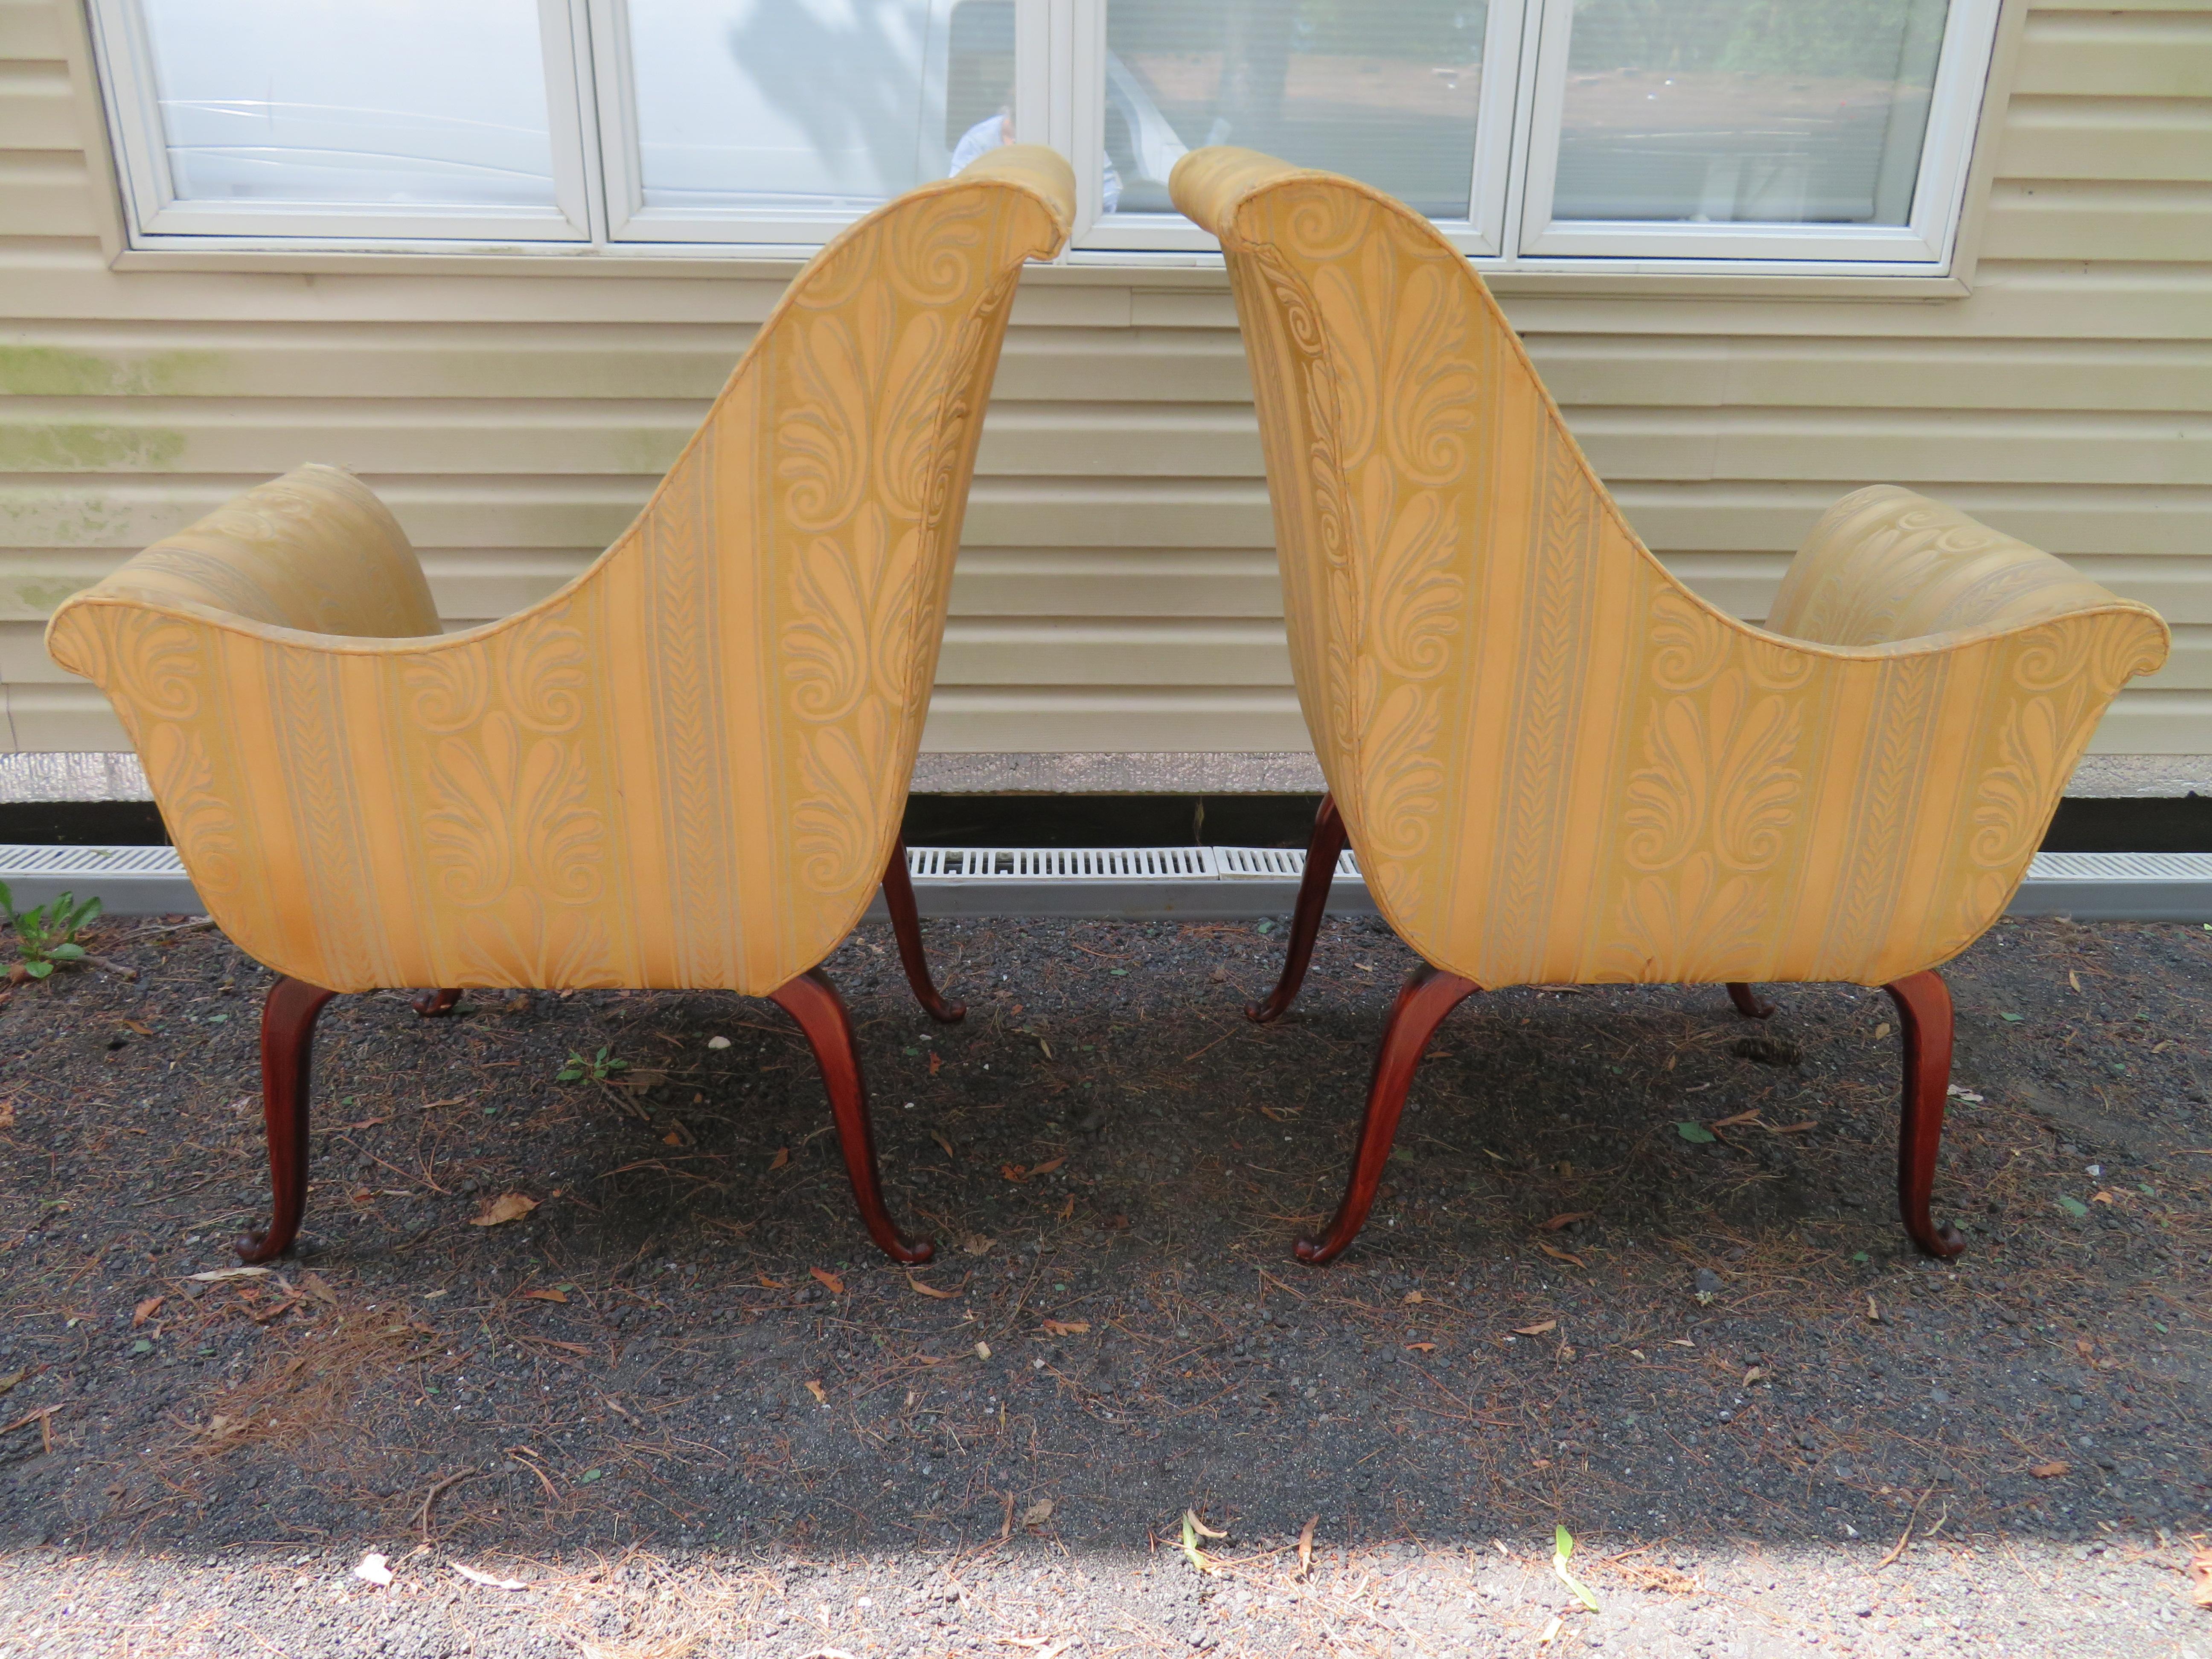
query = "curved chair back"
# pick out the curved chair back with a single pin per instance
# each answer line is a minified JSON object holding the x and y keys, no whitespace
{"x":685,"y":768}
{"x":1557,"y":763}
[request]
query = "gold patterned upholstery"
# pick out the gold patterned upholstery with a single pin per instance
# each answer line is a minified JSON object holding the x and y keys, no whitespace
{"x":683,"y":769}
{"x":1557,"y":763}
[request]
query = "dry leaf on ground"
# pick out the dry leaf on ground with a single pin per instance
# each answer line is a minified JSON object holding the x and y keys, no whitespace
{"x":2050,"y":1471}
{"x":774,"y":1283}
{"x":318,"y":1287}
{"x":1559,"y":1255}
{"x":1305,"y":1545}
{"x":1415,"y":1295}
{"x":1048,"y":1166}
{"x":1560,"y":1221}
{"x":975,"y":1244}
{"x":815,"y":1388}
{"x":828,"y":1280}
{"x":508,"y":1206}
{"x":1537,"y":1329}
{"x":485,"y":1578}
{"x":7,"y":1113}
{"x":546,"y":1295}
{"x":1067,"y":1328}
{"x":1037,"y":1513}
{"x":782,"y":1157}
{"x":2200,"y":1569}
{"x":1422,"y":1347}
{"x":917,"y":1286}
{"x":221,"y":1274}
{"x":146,"y":1310}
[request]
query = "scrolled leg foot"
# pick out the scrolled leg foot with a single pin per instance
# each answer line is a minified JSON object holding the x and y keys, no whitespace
{"x":1748,"y":1002}
{"x":1428,"y":996}
{"x":1323,"y":850}
{"x":906,"y":927}
{"x":434,"y":1005}
{"x":813,"y":1001}
{"x":287,"y":1048}
{"x":1924,"y":1008}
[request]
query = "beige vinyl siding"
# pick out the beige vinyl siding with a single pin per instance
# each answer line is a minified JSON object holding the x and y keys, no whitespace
{"x":1117,"y":590}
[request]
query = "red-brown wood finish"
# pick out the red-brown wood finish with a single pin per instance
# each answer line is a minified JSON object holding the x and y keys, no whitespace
{"x":1428,"y":996}
{"x":813,"y":1001}
{"x":1748,"y":1002}
{"x":906,"y":927}
{"x":1924,"y":1008}
{"x":288,"y":1050}
{"x":1323,"y":850}
{"x":434,"y":1005}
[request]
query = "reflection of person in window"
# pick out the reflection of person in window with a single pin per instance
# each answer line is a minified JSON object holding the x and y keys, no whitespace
{"x":994,"y":131}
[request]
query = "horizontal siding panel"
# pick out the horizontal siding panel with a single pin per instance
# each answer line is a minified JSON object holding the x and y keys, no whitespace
{"x":643,"y":361}
{"x":32,"y":30}
{"x":72,"y":716}
{"x":989,"y":581}
{"x":38,"y":108}
{"x":1102,"y":652}
{"x":1695,"y":373}
{"x":991,"y":719}
{"x":45,"y":194}
{"x":2145,"y":722}
{"x":2065,"y":219}
{"x":2145,"y":53}
{"x":2107,"y":138}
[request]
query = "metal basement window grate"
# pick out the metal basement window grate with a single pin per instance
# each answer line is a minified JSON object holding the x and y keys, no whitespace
{"x":1062,"y":863}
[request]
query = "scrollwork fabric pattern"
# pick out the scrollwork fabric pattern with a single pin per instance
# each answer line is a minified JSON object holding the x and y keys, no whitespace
{"x":1557,"y":763}
{"x":683,"y":769}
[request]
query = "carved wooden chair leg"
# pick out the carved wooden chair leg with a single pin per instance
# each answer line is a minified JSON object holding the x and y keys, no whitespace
{"x":814,"y":1003}
{"x":288,"y":1051}
{"x":1923,"y":1006}
{"x":436,"y":1004}
{"x":1322,"y":853}
{"x":1748,"y":1002}
{"x":906,"y":927}
{"x":1428,"y":996}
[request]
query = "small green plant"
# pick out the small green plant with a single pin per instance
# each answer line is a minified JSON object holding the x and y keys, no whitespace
{"x":600,"y":1068}
{"x":45,"y":935}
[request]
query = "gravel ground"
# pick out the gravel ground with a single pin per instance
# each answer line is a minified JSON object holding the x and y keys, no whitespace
{"x":1636,"y":1273}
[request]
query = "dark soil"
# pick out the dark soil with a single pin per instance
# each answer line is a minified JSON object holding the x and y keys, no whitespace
{"x":684,"y":1399}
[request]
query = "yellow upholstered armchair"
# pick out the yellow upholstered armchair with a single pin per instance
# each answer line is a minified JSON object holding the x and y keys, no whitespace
{"x":1556,"y":765}
{"x":684,"y":771}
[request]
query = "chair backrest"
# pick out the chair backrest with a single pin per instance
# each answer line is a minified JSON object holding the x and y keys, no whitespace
{"x":685,"y":768}
{"x":1556,"y":763}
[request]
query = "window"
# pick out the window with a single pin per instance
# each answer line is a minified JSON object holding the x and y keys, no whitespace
{"x":1793,"y":135}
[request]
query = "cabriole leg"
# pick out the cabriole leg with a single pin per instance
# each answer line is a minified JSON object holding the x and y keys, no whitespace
{"x":814,"y":1003}
{"x":436,"y":1004}
{"x":1748,"y":1002}
{"x":1924,"y":1008}
{"x":1323,"y":850}
{"x":906,"y":927}
{"x":288,"y":1049}
{"x":1428,"y":996}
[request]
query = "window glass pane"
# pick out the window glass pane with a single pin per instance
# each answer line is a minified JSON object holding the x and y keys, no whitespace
{"x":813,"y":104}
{"x":1789,"y":112}
{"x":1386,"y":94}
{"x":399,"y":103}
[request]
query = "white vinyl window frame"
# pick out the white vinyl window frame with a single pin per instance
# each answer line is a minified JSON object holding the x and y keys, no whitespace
{"x":1059,"y":99}
{"x":160,"y":218}
{"x":1921,"y":246}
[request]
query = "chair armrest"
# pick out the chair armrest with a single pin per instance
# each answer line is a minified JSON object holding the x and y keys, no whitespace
{"x":314,"y":550}
{"x":1040,"y":170}
{"x":1885,"y":565}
